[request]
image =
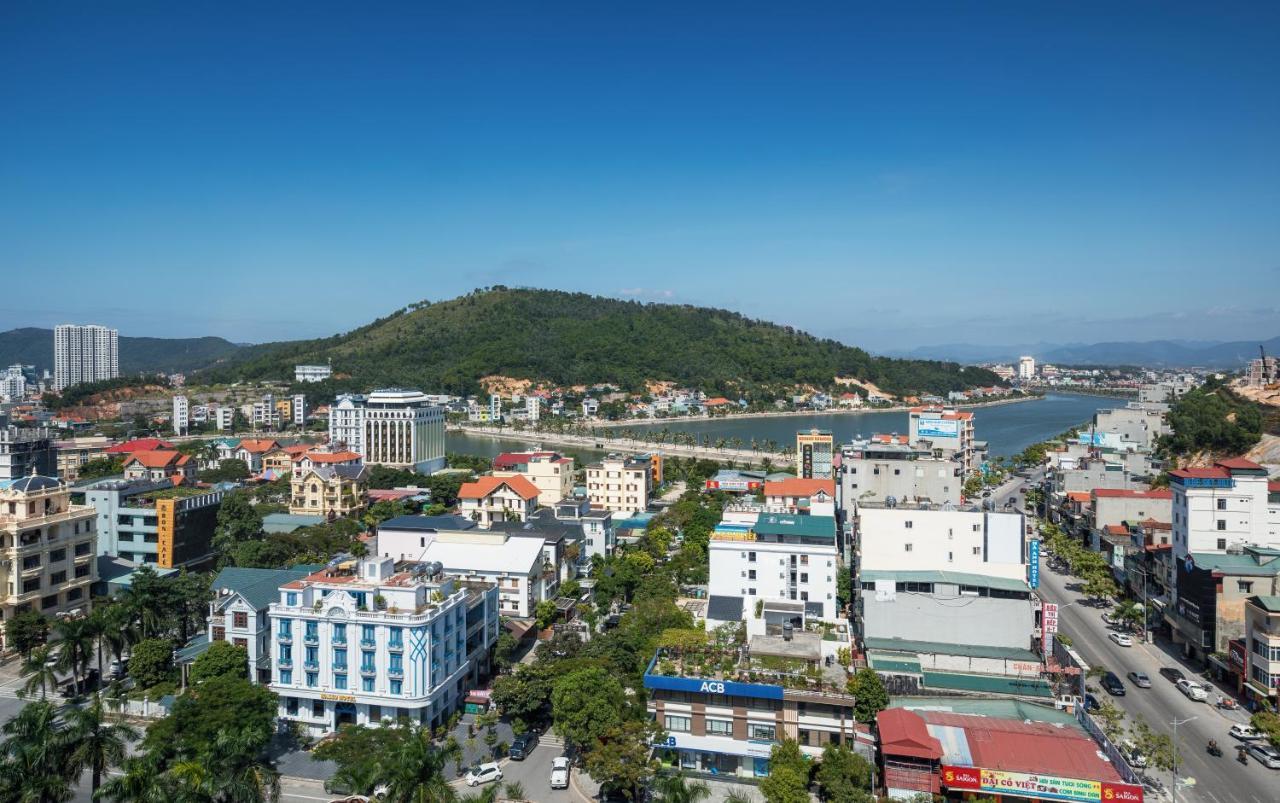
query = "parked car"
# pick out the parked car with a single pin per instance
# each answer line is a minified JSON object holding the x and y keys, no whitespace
{"x":522,"y":746}
{"x":1244,"y":733}
{"x":116,"y":669}
{"x":483,"y":773}
{"x":1174,"y":675}
{"x":1113,"y":685}
{"x":1193,"y":690}
{"x":1140,"y":680}
{"x":1120,"y":639}
{"x":1132,"y":755}
{"x":1266,"y":755}
{"x":1091,"y":703}
{"x":560,"y":773}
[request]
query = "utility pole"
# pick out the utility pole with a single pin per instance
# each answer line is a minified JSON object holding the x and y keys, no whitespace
{"x":1173,"y":790}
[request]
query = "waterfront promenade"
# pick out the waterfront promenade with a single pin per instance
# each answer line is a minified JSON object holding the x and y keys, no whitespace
{"x":606,"y":444}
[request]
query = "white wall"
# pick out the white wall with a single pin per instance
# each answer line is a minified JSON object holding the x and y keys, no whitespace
{"x":944,"y":540}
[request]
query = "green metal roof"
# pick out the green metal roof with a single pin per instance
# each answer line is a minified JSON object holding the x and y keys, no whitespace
{"x":957,"y":578}
{"x":194,"y":649}
{"x":997,"y":707}
{"x":939,"y":648}
{"x":990,"y":684}
{"x":1270,"y":604}
{"x":259,"y":587}
{"x":804,"y":526}
{"x":1244,"y":564}
{"x":892,"y":662}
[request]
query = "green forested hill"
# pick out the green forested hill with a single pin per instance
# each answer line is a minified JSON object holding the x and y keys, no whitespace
{"x":574,"y":338}
{"x":34,"y":346}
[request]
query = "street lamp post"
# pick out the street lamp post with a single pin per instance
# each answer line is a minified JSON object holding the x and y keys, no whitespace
{"x":1173,"y":790}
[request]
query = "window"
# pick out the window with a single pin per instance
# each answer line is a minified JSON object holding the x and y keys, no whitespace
{"x":240,"y":620}
{"x":50,"y":601}
{"x":57,"y":556}
{"x":317,"y":708}
{"x":57,"y":578}
{"x":340,"y":658}
{"x":977,"y":528}
{"x":286,"y":677}
{"x":284,"y":626}
{"x":1222,"y":543}
{"x":751,"y":574}
{"x":1245,"y":586}
{"x":219,"y":633}
{"x":397,"y":687}
{"x":1222,"y":524}
{"x":240,"y":642}
{"x":678,"y":724}
{"x":340,"y":681}
{"x":906,"y":547}
{"x":907,"y":524}
{"x":311,"y":680}
{"x":291,"y":598}
{"x":1222,"y":504}
{"x":73,"y":594}
{"x":366,"y":684}
{"x":719,"y":727}
{"x":761,"y":732}
{"x":751,"y":557}
{"x":977,"y":550}
{"x":804,"y":577}
{"x":395,"y":637}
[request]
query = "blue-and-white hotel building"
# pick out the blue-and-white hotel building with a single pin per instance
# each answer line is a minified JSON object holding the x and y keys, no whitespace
{"x":369,"y":640}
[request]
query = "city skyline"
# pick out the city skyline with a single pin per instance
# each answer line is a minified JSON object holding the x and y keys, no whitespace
{"x":943,"y":174}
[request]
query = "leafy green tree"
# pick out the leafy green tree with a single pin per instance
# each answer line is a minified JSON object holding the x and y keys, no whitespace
{"x":25,"y":631}
{"x":229,"y":470}
{"x":524,"y":694}
{"x":414,"y":773}
{"x":222,"y":659}
{"x":1112,"y":719}
{"x":220,"y":704}
{"x":1211,"y":418}
{"x":95,"y":743}
{"x":622,"y":758}
{"x":679,"y":789}
{"x":151,"y":662}
{"x":545,"y":613}
{"x":503,"y":648}
{"x":33,"y":757}
{"x":1099,"y":586}
{"x":100,"y":467}
{"x":1268,"y":723}
{"x":844,"y":776}
{"x":142,"y":780}
{"x":788,"y":779}
{"x":870,"y":697}
{"x":1159,"y":749}
{"x":238,"y":520}
{"x":585,"y":704}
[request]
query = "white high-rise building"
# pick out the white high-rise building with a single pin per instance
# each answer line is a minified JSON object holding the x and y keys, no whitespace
{"x":181,"y":415}
{"x":495,"y":407}
{"x":224,"y":417}
{"x":13,"y":384}
{"x":1026,"y":368}
{"x":533,"y":408}
{"x":401,"y":429}
{"x":346,"y":422}
{"x":84,"y":354}
{"x":1222,"y":508}
{"x":299,"y":409}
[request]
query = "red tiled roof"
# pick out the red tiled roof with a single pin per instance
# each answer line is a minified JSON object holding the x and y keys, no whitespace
{"x":1201,"y":473}
{"x":1239,"y":463}
{"x":1117,"y":529}
{"x":882,"y":438}
{"x":139,"y":445}
{"x":1273,"y":487}
{"x":1158,"y":493}
{"x":1012,"y":745}
{"x":158,"y":459}
{"x":1080,"y":496}
{"x":508,"y":459}
{"x":903,"y":733}
{"x":718,"y":401}
{"x":797,"y":486}
{"x":487,"y":485}
{"x":332,"y":457}
{"x":258,"y":445}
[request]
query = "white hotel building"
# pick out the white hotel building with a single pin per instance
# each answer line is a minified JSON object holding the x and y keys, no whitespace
{"x":391,"y":427}
{"x":369,"y":640}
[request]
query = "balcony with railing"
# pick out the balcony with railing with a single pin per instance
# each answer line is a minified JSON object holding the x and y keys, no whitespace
{"x":311,"y":639}
{"x":340,"y":669}
{"x":396,"y":672}
{"x":311,"y":666}
{"x":284,"y":638}
{"x":368,"y":671}
{"x":285,"y":663}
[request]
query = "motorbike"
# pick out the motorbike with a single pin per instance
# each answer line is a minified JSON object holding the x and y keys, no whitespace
{"x":1241,"y":755}
{"x":1228,"y":704}
{"x":1214,"y":750}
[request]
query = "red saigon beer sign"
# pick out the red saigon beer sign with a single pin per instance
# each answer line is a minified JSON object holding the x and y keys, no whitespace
{"x":1038,"y":787}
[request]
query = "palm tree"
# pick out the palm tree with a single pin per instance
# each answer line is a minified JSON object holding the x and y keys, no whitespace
{"x":39,"y":671}
{"x":232,"y":771}
{"x":75,"y":641}
{"x":142,"y":781}
{"x":739,"y":797}
{"x":414,"y":772}
{"x":515,"y":790}
{"x":676,"y":789}
{"x":95,"y":743}
{"x":32,"y":758}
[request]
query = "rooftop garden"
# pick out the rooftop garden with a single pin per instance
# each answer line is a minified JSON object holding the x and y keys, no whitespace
{"x":723,"y":654}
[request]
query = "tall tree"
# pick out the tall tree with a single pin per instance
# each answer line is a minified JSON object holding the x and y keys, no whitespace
{"x":414,"y":773}
{"x":844,"y":776}
{"x":95,"y":743}
{"x":870,"y":697}
{"x":33,"y":766}
{"x":585,"y":704}
{"x":26,"y":631}
{"x":40,"y":670}
{"x":788,"y":780}
{"x":75,"y":644}
{"x":679,"y":789}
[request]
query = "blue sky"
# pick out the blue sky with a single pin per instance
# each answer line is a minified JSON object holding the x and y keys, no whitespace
{"x":894,"y":174}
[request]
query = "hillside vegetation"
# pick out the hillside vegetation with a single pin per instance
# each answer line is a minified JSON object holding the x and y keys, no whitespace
{"x":1212,"y":419}
{"x":33,"y":346}
{"x":574,"y":338}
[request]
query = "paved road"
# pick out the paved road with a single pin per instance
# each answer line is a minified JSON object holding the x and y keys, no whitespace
{"x":1216,"y":780}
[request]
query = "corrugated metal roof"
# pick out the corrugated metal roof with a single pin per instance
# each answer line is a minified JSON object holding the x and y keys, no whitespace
{"x":934,"y":576}
{"x":991,"y":684}
{"x":938,"y":648}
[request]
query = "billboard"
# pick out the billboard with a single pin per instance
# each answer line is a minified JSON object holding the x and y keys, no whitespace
{"x":1039,"y":787}
{"x":1033,"y":565}
{"x":1048,"y":626}
{"x":937,"y":428}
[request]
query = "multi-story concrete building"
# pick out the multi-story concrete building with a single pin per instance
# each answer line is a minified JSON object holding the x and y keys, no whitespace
{"x":492,"y":500}
{"x":495,"y":407}
{"x":1136,"y":426}
{"x":968,"y":540}
{"x":1211,"y":589}
{"x":25,"y":451}
{"x":551,"y":472}
{"x":1026,"y":368}
{"x":181,"y":419}
{"x":48,"y":549}
{"x":1113,"y":506}
{"x":399,"y":428}
{"x":160,"y":465}
{"x":332,"y":491}
{"x":798,"y":496}
{"x":1222,"y":507}
{"x":945,"y":431}
{"x":1260,"y":649}
{"x":364,"y":641}
{"x":346,"y":422}
{"x":13,"y":383}
{"x":141,"y":522}
{"x":886,"y":466}
{"x":598,"y":536}
{"x":533,"y":409}
{"x":620,"y":484}
{"x":84,"y":354}
{"x":514,"y":565}
{"x":1262,"y":371}
{"x":787,"y":564}
{"x":815,"y":450}
{"x":75,"y":452}
{"x":298,"y":407}
{"x":224,"y":418}
{"x":727,"y":724}
{"x":312,"y":373}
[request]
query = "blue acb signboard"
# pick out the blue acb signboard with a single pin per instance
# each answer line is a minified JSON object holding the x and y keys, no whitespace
{"x":1033,"y":565}
{"x":761,"y":691}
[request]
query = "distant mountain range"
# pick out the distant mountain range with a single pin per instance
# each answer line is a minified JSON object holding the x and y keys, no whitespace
{"x":33,"y":346}
{"x":1151,"y":353}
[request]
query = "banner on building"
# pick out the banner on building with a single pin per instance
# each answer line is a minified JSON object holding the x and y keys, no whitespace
{"x":1048,"y":626}
{"x":1038,"y":787}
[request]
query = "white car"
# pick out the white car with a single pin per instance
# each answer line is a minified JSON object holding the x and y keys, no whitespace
{"x":1244,"y":733}
{"x":1266,"y":755}
{"x":1120,"y":638}
{"x":483,"y":773}
{"x":560,"y":773}
{"x":1193,"y":690}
